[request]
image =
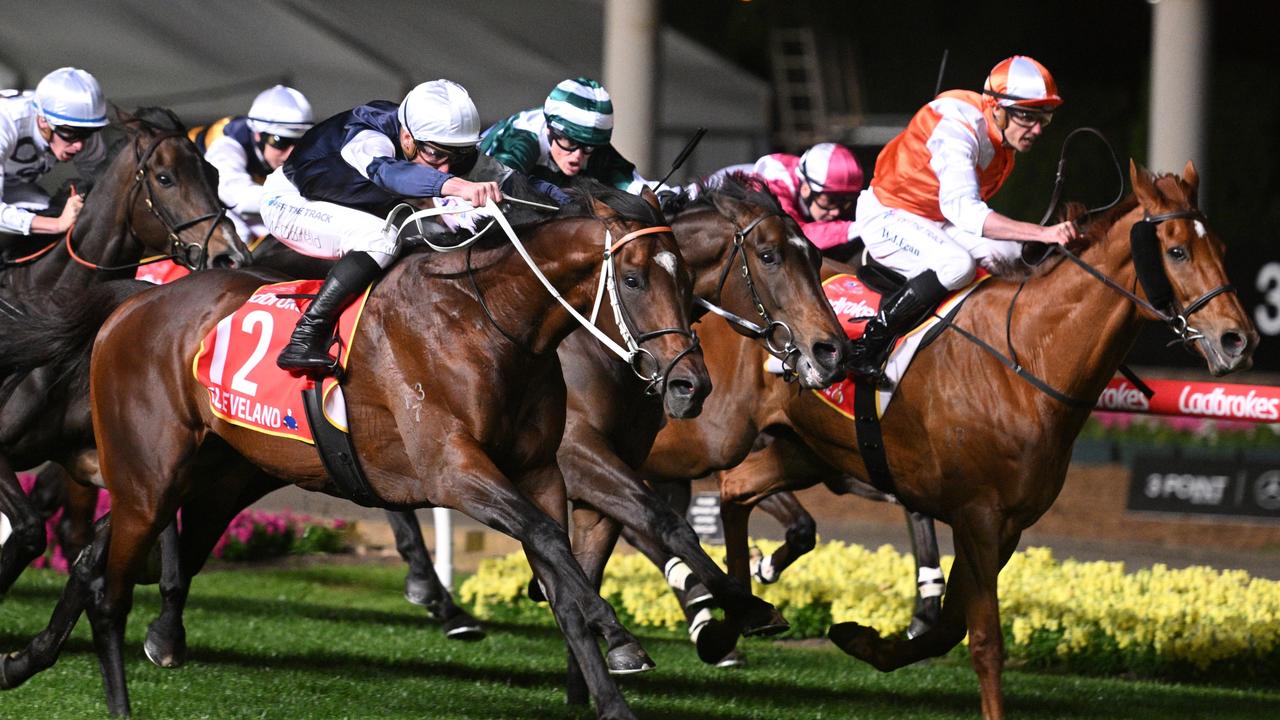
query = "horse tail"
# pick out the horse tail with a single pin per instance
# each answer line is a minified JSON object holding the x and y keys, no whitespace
{"x":56,"y":332}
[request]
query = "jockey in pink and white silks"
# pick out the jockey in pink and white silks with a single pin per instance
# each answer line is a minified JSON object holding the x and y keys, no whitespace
{"x":925,"y":214}
{"x":58,"y":122}
{"x":817,"y":189}
{"x":331,"y":197}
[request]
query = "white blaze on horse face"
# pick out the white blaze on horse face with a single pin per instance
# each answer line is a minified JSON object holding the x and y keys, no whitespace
{"x":800,"y":242}
{"x":667,"y":260}
{"x":1200,"y":229}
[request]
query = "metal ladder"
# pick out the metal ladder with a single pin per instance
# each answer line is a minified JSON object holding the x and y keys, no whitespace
{"x":797,"y":82}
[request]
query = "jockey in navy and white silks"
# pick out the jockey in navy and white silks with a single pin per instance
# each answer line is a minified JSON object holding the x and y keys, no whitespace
{"x":247,"y":148}
{"x":569,"y":135}
{"x":925,"y":214}
{"x":330,"y":198}
{"x":58,"y":122}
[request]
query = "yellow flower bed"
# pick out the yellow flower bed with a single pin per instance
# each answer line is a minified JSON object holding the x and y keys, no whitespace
{"x":1194,"y":617}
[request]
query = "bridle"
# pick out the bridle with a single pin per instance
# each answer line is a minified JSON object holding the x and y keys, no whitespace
{"x":630,"y":352}
{"x":779,"y":339}
{"x":192,"y":256}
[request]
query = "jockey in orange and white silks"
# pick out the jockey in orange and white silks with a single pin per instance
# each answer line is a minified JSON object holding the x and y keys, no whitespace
{"x":925,"y":214}
{"x":817,"y":189}
{"x":58,"y":122}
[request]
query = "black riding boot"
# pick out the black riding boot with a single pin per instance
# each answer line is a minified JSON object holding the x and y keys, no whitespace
{"x":898,"y":313}
{"x":308,"y":350}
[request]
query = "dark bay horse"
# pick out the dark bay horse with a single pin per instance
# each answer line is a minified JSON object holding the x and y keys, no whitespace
{"x":481,"y":439}
{"x":968,"y":442}
{"x":156,"y":195}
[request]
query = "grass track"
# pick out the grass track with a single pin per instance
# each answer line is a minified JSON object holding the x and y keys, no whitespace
{"x":340,"y":642}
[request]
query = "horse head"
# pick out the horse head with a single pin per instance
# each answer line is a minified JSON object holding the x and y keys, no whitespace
{"x":775,"y":280}
{"x":651,"y":288}
{"x":1179,"y":262}
{"x":173,"y":205}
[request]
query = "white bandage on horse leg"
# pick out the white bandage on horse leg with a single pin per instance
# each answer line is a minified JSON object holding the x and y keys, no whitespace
{"x":698,"y":622}
{"x":677,"y":573}
{"x":929,"y":582}
{"x":762,"y":570}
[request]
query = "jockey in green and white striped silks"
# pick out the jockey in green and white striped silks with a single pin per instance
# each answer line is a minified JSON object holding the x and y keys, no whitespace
{"x":580,"y":109}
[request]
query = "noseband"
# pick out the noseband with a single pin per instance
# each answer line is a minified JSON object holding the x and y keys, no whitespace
{"x":192,"y":256}
{"x":778,"y":337}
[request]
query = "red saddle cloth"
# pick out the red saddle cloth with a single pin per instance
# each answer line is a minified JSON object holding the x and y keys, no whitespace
{"x":853,"y":301}
{"x":161,"y":272}
{"x":236,"y":362}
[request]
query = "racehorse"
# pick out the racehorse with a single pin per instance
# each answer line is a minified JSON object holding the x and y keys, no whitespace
{"x":482,"y":438}
{"x":968,"y":443}
{"x":158,"y":195}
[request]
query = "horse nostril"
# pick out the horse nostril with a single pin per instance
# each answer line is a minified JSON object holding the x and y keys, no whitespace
{"x":680,"y":388}
{"x":1234,"y":343}
{"x":225,"y":261}
{"x":828,"y":354}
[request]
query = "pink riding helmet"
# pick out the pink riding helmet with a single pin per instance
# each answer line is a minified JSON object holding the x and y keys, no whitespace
{"x":830,"y":168}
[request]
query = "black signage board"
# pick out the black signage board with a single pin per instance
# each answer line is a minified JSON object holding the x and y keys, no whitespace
{"x":704,"y":517}
{"x":1205,"y":486}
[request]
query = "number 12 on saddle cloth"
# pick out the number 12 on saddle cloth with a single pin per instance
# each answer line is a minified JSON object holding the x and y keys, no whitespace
{"x":236,"y":363}
{"x":855,"y":303}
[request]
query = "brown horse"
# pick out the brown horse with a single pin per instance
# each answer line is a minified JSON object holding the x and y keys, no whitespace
{"x":968,"y":442}
{"x":156,"y":195}
{"x":481,"y":438}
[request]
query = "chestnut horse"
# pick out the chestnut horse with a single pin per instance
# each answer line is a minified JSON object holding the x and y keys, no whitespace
{"x":157,"y":195}
{"x":968,"y":442}
{"x":480,"y":438}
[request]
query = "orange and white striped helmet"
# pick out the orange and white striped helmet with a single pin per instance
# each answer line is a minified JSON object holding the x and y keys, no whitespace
{"x":1020,"y":80}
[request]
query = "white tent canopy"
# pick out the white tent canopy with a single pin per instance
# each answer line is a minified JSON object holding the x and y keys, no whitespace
{"x":205,"y":60}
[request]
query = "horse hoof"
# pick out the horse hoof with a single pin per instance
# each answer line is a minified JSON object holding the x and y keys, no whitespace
{"x":417,"y":592}
{"x":628,"y":659}
{"x":714,"y":640}
{"x":463,"y":627}
{"x":9,"y":679}
{"x":735,"y":659}
{"x":165,"y":654}
{"x":763,"y":620}
{"x":856,"y":640}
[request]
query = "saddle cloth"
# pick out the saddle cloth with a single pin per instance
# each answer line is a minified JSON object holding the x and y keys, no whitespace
{"x":855,"y":304}
{"x":161,"y":272}
{"x":236,"y":363}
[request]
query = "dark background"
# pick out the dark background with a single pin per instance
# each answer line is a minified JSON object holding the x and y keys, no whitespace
{"x":1099,"y":53}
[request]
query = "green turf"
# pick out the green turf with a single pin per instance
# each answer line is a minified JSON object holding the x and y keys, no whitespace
{"x":340,"y":642}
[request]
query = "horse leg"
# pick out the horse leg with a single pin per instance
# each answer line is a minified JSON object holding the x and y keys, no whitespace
{"x":43,"y":650}
{"x":930,"y":584}
{"x":487,"y":496}
{"x":594,"y":537}
{"x":27,"y":540}
{"x":801,"y":536}
{"x":422,"y":586}
{"x":75,"y":528}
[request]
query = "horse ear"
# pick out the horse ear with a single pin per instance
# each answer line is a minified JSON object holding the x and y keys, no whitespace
{"x":600,"y":209}
{"x":727,"y":205}
{"x":1143,"y":184}
{"x":650,"y":198}
{"x":1192,"y":178}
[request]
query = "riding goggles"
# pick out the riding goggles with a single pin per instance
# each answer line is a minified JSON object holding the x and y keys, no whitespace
{"x":279,"y":142}
{"x":840,"y":202}
{"x":571,"y":146}
{"x":436,"y":154}
{"x":73,"y":134}
{"x":1023,"y":117}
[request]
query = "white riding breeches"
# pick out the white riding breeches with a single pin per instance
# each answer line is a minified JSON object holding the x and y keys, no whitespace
{"x":912,"y":244}
{"x":322,"y":229}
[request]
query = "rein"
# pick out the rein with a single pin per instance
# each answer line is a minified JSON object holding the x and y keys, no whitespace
{"x":1144,"y":249}
{"x":784,"y":349}
{"x":632,"y":354}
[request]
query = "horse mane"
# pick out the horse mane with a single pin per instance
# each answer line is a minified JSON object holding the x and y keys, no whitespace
{"x":145,"y":120}
{"x":742,"y":187}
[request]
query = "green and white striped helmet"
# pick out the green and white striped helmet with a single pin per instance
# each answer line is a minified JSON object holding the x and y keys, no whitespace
{"x":580,"y":110}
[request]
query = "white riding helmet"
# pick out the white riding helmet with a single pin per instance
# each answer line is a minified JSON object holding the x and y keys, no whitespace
{"x":71,"y":96}
{"x":280,"y":111}
{"x":440,"y":111}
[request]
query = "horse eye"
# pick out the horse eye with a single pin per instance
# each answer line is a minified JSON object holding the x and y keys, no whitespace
{"x":1178,"y":253}
{"x":164,"y":179}
{"x":768,"y":257}
{"x":631,"y":281}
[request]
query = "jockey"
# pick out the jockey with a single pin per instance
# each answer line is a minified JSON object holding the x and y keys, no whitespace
{"x":330,"y":197}
{"x":247,"y":148}
{"x":567,"y":136}
{"x":817,"y":189}
{"x":925,"y":214}
{"x":59,"y":122}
